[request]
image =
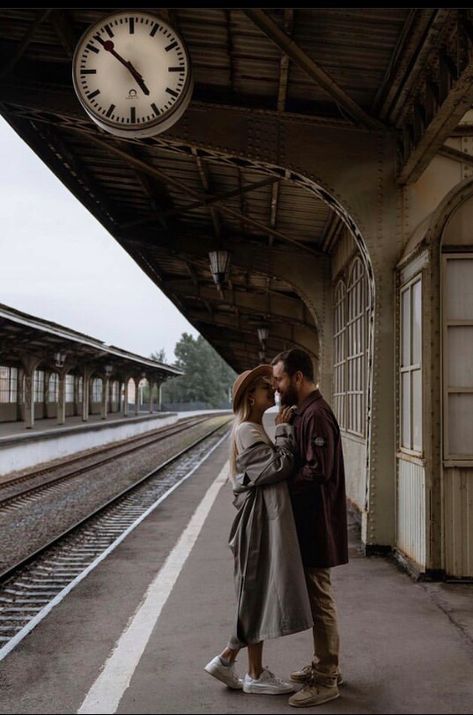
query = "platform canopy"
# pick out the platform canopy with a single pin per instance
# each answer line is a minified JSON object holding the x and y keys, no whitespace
{"x":169,"y":200}
{"x":54,"y":346}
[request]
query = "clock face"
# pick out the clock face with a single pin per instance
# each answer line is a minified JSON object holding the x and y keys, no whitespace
{"x":132,"y":75}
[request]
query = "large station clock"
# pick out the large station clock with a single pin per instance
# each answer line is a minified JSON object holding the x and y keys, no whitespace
{"x":132,"y":74}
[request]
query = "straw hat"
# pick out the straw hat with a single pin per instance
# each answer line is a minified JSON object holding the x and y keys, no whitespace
{"x":245,"y":379}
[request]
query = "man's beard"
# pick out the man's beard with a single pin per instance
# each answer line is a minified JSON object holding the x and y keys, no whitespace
{"x":289,"y":397}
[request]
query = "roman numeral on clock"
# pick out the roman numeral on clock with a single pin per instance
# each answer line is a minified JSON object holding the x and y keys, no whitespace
{"x":132,"y":114}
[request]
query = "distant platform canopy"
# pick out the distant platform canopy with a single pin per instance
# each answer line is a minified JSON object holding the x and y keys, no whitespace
{"x":48,"y":370}
{"x":24,"y":335}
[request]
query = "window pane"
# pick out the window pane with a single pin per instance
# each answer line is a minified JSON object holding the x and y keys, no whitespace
{"x":460,"y":356}
{"x":406,"y":410}
{"x":459,"y":298}
{"x":406,"y":343}
{"x":460,"y":424}
{"x":416,"y":323}
{"x":417,"y":410}
{"x":38,"y":386}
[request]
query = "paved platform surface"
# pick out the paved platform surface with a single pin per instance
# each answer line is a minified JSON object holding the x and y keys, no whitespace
{"x":10,"y":429}
{"x":402,"y":651}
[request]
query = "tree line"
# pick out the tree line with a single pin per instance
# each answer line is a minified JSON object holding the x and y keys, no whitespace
{"x":207,"y":377}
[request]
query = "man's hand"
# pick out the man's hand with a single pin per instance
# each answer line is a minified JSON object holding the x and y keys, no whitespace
{"x":285,"y":415}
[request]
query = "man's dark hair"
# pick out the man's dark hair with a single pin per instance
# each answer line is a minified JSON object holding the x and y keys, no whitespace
{"x":295,"y":360}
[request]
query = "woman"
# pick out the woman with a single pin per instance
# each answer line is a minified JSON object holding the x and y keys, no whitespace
{"x":272,"y":598}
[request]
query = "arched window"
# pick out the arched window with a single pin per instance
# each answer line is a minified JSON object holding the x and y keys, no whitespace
{"x":69,"y":388}
{"x":356,"y":348}
{"x":96,"y":389}
{"x":339,"y":353}
{"x":53,"y":387}
{"x":8,"y":384}
{"x":38,"y":386}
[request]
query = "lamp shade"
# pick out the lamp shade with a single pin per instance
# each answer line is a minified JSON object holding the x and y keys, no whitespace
{"x":59,"y":359}
{"x":219,"y":266}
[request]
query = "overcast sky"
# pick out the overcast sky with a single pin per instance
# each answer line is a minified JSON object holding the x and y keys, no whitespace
{"x":57,"y":262}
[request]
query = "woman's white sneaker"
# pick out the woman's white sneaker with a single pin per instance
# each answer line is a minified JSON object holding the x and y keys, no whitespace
{"x":225,"y":673}
{"x":266,"y":684}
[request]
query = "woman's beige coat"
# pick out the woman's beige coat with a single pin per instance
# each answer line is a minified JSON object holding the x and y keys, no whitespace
{"x":272,"y":597}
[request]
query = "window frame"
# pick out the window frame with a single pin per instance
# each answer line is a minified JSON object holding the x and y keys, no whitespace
{"x":11,"y":389}
{"x":446,"y":389}
{"x":69,"y":388}
{"x":38,"y":391}
{"x":339,"y":350}
{"x":356,"y":305}
{"x":53,"y":388}
{"x":409,"y":369}
{"x":94,"y":389}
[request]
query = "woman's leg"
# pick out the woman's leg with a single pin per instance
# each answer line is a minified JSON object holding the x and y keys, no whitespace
{"x":255,"y":657}
{"x":228,"y":655}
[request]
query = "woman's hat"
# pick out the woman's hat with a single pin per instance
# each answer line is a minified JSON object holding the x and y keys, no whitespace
{"x":245,"y":379}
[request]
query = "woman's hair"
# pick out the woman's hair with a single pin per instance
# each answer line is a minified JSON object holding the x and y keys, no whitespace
{"x":242,"y":414}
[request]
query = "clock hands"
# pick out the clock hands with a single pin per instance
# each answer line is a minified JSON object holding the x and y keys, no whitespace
{"x":109,"y":46}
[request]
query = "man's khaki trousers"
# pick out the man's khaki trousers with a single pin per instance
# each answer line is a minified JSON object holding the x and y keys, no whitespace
{"x":326,"y":639}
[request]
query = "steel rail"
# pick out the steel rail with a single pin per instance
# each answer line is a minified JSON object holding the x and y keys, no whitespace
{"x":11,"y":571}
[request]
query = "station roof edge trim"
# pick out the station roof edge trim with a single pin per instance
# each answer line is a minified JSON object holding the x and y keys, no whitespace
{"x":27,"y":320}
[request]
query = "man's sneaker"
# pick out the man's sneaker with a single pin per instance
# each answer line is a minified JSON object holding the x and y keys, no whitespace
{"x":303,"y":675}
{"x":225,"y":673}
{"x":266,"y":684}
{"x":315,"y":694}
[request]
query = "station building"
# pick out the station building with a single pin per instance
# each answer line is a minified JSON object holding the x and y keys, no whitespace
{"x":48,"y":371}
{"x":322,"y":177}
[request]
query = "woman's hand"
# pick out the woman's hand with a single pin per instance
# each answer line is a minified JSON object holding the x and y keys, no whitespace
{"x":285,"y":416}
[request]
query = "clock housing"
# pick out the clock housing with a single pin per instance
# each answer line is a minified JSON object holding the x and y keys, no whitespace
{"x":132,"y":74}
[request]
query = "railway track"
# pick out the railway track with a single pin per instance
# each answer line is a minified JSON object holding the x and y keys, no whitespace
{"x":16,"y":492}
{"x":31,"y":588}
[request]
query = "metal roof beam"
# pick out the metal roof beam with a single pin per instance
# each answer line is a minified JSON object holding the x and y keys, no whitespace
{"x":204,"y":180}
{"x":153,"y":171}
{"x":23,"y":45}
{"x":61,"y":106}
{"x":64,"y":26}
{"x":455,"y":154}
{"x":441,"y":100}
{"x":254,"y":304}
{"x":277,"y":335}
{"x":408,"y":58}
{"x":272,"y":30}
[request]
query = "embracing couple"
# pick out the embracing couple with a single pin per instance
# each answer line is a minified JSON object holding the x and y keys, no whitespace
{"x":290,"y":529}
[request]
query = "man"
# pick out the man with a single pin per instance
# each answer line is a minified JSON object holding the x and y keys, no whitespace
{"x":319,"y":503}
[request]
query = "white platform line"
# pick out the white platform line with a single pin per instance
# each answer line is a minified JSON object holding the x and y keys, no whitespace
{"x":13,"y":642}
{"x":115,"y":677}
